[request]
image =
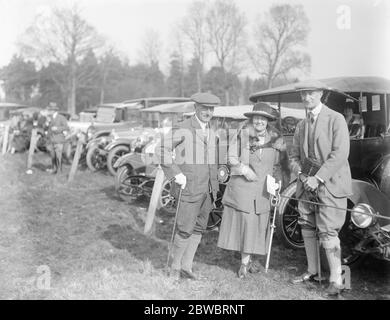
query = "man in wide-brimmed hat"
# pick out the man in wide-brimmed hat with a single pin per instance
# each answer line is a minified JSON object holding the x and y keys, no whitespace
{"x":197,"y":177}
{"x":58,"y":127}
{"x":319,"y":157}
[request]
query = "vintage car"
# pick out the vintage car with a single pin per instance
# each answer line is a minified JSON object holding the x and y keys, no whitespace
{"x":133,"y":178}
{"x":118,"y":117}
{"x":369,"y":160}
{"x":150,"y":119}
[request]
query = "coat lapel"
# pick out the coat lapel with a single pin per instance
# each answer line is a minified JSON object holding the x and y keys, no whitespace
{"x":198,"y":130}
{"x":305,"y":136}
{"x":321,"y":123}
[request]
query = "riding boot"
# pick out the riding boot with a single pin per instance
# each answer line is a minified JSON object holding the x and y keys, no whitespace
{"x":189,"y":253}
{"x":310,"y":241}
{"x":333,"y":255}
{"x":179,"y":246}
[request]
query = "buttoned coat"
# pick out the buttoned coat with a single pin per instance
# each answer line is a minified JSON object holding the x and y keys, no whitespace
{"x":252,"y":196}
{"x":57,"y":136}
{"x":185,"y":150}
{"x":331,"y":148}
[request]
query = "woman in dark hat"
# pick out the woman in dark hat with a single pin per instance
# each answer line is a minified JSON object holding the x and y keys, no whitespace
{"x":245,"y":221}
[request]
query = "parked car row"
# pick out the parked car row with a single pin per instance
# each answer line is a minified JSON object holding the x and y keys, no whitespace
{"x":119,"y":137}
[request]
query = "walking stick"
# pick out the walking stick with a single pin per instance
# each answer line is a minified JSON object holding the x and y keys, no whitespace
{"x":174,"y":228}
{"x":275,"y":202}
{"x":318,"y":245}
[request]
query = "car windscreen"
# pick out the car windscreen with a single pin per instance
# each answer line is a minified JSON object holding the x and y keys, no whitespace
{"x":105,"y":114}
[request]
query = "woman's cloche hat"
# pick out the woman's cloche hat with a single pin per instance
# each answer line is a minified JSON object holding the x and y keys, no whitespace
{"x":263,"y":109}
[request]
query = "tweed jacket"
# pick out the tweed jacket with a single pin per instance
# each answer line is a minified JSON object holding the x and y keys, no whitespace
{"x":185,"y":150}
{"x":331,"y":148}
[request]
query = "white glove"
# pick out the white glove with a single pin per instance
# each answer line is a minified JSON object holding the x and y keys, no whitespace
{"x":248,"y":173}
{"x":181,"y":179}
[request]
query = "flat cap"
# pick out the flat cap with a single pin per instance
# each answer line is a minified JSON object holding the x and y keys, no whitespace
{"x":263,"y":109}
{"x":206,"y":99}
{"x":310,"y":85}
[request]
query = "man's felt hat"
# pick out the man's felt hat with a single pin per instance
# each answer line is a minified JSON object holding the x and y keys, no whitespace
{"x":206,"y":99}
{"x":310,"y":85}
{"x":263,"y":109}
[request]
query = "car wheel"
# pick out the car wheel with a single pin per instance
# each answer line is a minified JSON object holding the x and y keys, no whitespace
{"x":113,"y":155}
{"x":167,"y":198}
{"x":95,"y":161}
{"x":125,"y":185}
{"x":287,"y":228}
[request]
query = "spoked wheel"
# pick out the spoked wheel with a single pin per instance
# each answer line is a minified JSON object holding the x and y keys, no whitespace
{"x":167,"y":199}
{"x":114,"y":155}
{"x":95,"y":160}
{"x":287,"y":227}
{"x":215,"y":219}
{"x":130,"y":188}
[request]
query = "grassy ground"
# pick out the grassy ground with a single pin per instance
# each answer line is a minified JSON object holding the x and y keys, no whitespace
{"x":94,"y":247}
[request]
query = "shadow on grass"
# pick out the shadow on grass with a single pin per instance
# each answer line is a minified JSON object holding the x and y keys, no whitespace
{"x":41,"y":166}
{"x":138,"y":245}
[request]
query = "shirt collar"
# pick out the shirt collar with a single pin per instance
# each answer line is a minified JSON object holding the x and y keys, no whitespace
{"x":316,"y":111}
{"x":203,"y":125}
{"x":55,"y":114}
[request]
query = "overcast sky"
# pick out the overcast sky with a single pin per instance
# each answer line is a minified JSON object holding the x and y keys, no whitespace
{"x":336,"y":48}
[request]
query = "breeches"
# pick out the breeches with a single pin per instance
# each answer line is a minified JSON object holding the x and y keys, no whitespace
{"x":327,"y":220}
{"x":193,"y":216}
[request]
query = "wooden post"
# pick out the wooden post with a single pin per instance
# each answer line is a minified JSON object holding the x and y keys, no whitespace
{"x":31,"y":150}
{"x":156,"y":192}
{"x":76,"y":159}
{"x":5,"y":139}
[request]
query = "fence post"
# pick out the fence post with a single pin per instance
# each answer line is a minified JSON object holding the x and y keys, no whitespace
{"x":156,"y":192}
{"x":31,"y":150}
{"x":76,"y":159}
{"x":5,"y":139}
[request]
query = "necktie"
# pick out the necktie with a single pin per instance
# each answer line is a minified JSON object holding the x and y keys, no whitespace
{"x":311,"y":118}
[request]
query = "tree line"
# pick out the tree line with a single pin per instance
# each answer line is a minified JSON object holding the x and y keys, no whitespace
{"x":63,"y":58}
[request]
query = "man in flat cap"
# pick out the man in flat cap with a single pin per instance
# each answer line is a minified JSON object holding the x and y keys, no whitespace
{"x":196,"y":173}
{"x":319,"y":157}
{"x":56,"y":135}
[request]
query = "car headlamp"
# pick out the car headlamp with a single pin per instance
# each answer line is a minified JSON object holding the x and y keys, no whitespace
{"x":362,"y":215}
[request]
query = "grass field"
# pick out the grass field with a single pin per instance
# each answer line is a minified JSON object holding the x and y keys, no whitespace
{"x":90,"y":245}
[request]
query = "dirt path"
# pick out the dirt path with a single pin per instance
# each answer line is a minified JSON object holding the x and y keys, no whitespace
{"x":92,"y":245}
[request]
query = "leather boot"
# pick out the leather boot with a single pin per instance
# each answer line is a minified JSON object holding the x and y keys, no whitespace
{"x":179,"y":247}
{"x":189,"y":254}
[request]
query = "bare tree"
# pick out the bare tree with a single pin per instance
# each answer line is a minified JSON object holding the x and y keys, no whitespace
{"x":225,"y":24}
{"x":278,"y":40}
{"x":194,"y":28}
{"x":63,"y":37}
{"x":151,"y":47}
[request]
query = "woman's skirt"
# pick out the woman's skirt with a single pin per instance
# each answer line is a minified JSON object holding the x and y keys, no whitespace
{"x":244,"y":232}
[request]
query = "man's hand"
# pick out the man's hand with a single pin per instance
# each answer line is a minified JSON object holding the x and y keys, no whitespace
{"x":181,"y":179}
{"x":311,"y":183}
